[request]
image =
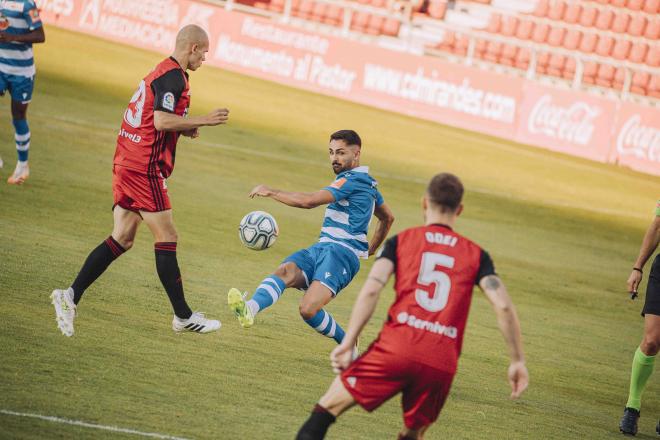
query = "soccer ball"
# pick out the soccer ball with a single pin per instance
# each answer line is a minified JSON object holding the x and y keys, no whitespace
{"x":258,"y":230}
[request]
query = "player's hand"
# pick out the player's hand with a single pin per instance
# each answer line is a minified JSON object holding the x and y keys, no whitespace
{"x":518,"y":378}
{"x":261,"y":191}
{"x":341,"y":357}
{"x":633,"y":282}
{"x":217,"y":117}
{"x":5,"y":37}
{"x":192,"y":133}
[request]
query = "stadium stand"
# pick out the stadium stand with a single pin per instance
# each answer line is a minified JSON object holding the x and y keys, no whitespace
{"x":610,"y":46}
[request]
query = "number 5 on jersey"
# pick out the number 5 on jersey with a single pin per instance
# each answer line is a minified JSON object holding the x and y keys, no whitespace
{"x":428,"y":275}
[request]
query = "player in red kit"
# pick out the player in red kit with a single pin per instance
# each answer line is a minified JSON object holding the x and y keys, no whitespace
{"x":146,"y":148}
{"x":417,"y":351}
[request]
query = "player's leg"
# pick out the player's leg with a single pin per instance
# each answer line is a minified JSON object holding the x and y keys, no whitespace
{"x":162,"y":227}
{"x":291,"y":273}
{"x":4,"y":86}
{"x":21,"y":94}
{"x":312,"y":312}
{"x":333,"y":403}
{"x":644,"y":358}
{"x":123,"y":234}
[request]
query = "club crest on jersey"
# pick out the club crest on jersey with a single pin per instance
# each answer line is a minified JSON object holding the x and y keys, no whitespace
{"x":168,"y":101}
{"x":34,"y":15}
{"x":328,"y":275}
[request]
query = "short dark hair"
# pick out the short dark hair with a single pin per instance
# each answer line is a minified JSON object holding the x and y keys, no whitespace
{"x":445,"y":191}
{"x":348,"y":136}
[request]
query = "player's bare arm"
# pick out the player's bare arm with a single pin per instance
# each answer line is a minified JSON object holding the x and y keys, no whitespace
{"x":36,"y":36}
{"x":385,"y":219}
{"x":164,"y":121}
{"x":294,"y":199}
{"x":507,"y":319}
{"x":364,"y":307}
{"x":649,"y":245}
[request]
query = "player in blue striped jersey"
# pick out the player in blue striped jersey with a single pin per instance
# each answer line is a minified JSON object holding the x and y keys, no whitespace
{"x":325,"y":268}
{"x":20,"y":27}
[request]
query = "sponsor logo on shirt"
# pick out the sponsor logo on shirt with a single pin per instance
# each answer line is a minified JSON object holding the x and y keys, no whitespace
{"x":130,"y":136}
{"x":338,"y":183}
{"x":168,"y":101}
{"x":11,"y":6}
{"x":432,"y":327}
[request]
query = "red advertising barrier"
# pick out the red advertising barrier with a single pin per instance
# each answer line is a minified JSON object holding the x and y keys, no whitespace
{"x":636,"y":139}
{"x":570,"y":122}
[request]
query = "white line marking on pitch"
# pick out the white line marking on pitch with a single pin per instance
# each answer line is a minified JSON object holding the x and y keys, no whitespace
{"x":91,"y":425}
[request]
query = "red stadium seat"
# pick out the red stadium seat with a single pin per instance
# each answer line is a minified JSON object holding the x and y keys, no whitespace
{"x":605,"y":75}
{"x":375,"y":24}
{"x":588,"y":42}
{"x":620,"y":23}
{"x":437,"y":9}
{"x":637,"y":25}
{"x":304,"y":9}
{"x":569,"y":68}
{"x":334,"y":15}
{"x":618,"y":3}
{"x":588,"y":16}
{"x":638,"y":52}
{"x":276,"y":5}
{"x":556,"y":10}
{"x":509,"y":25}
{"x":619,"y":78}
{"x":572,"y":39}
{"x":448,"y":41}
{"x":379,"y":3}
{"x":509,"y":52}
{"x":461,"y":45}
{"x":480,"y":47}
{"x":542,"y":61}
{"x":541,"y":8}
{"x":318,"y":12}
{"x":653,"y":89}
{"x":589,"y":72}
{"x":635,"y":5}
{"x":556,"y":64}
{"x":652,"y":31}
{"x":651,"y":6}
{"x":540,"y":33}
{"x":524,"y":29}
{"x":572,"y":13}
{"x":261,"y":5}
{"x":621,"y":49}
{"x":640,"y":82}
{"x":494,"y":23}
{"x":522,"y":58}
{"x":391,"y":27}
{"x":604,"y":46}
{"x":653,"y":56}
{"x":604,"y":20}
{"x":359,"y":21}
{"x":556,"y":36}
{"x":493,"y":51}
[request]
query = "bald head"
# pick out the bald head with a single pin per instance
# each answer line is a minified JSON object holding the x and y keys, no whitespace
{"x":189,"y":35}
{"x":192,"y":43}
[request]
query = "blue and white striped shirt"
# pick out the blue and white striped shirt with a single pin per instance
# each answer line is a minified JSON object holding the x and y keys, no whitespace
{"x":347,"y":218}
{"x":18,"y":17}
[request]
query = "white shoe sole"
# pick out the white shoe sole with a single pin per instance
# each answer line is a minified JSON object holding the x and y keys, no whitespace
{"x":207,"y":329}
{"x":65,"y":327}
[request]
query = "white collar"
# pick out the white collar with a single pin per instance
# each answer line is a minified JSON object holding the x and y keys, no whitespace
{"x":362,"y":169}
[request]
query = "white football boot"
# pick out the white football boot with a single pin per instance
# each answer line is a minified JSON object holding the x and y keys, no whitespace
{"x":65,"y":310}
{"x":196,"y":323}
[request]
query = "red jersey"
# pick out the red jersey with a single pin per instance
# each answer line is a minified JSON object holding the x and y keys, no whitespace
{"x":435,"y":272}
{"x":139,"y":145}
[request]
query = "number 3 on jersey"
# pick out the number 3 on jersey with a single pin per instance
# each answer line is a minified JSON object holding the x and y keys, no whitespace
{"x":133,"y":115}
{"x":428,"y":275}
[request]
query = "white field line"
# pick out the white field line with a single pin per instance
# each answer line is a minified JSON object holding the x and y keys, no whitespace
{"x":91,"y":425}
{"x":409,"y":179}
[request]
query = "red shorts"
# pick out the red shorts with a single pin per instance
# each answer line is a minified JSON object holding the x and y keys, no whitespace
{"x":378,"y":375}
{"x":137,"y":191}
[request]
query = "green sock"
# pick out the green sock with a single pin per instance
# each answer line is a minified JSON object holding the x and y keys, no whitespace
{"x":642,"y":367}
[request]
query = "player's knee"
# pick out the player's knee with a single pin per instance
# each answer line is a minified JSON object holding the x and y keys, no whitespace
{"x":308,"y":311}
{"x":650,"y":344}
{"x":286,"y":273}
{"x":125,"y":242}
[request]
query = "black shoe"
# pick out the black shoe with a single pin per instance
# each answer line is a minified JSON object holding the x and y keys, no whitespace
{"x":628,"y":424}
{"x":657,"y":428}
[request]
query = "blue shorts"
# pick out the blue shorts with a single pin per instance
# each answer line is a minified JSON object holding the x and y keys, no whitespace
{"x":331,"y":264}
{"x":20,"y":87}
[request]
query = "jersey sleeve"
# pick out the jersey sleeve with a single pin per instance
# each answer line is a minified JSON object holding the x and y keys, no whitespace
{"x":379,"y":198}
{"x":486,"y":267}
{"x":31,"y":16}
{"x":341,"y":188}
{"x":167,"y":90}
{"x":389,"y":250}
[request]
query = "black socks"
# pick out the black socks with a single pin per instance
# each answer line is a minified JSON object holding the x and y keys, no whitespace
{"x":170,"y":276}
{"x":316,"y":425}
{"x":97,"y":262}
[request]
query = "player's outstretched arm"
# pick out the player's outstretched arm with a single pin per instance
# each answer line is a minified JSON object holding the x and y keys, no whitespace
{"x":507,"y":319}
{"x":385,"y":219}
{"x":36,"y":36}
{"x":164,"y":121}
{"x":364,"y":307}
{"x":649,"y":244}
{"x":295,"y":199}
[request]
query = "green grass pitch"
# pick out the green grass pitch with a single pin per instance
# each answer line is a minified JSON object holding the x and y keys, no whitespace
{"x":563,"y":233}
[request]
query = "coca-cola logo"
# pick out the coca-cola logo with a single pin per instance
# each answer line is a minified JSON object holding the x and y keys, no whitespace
{"x":638,"y":140}
{"x":575,"y":124}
